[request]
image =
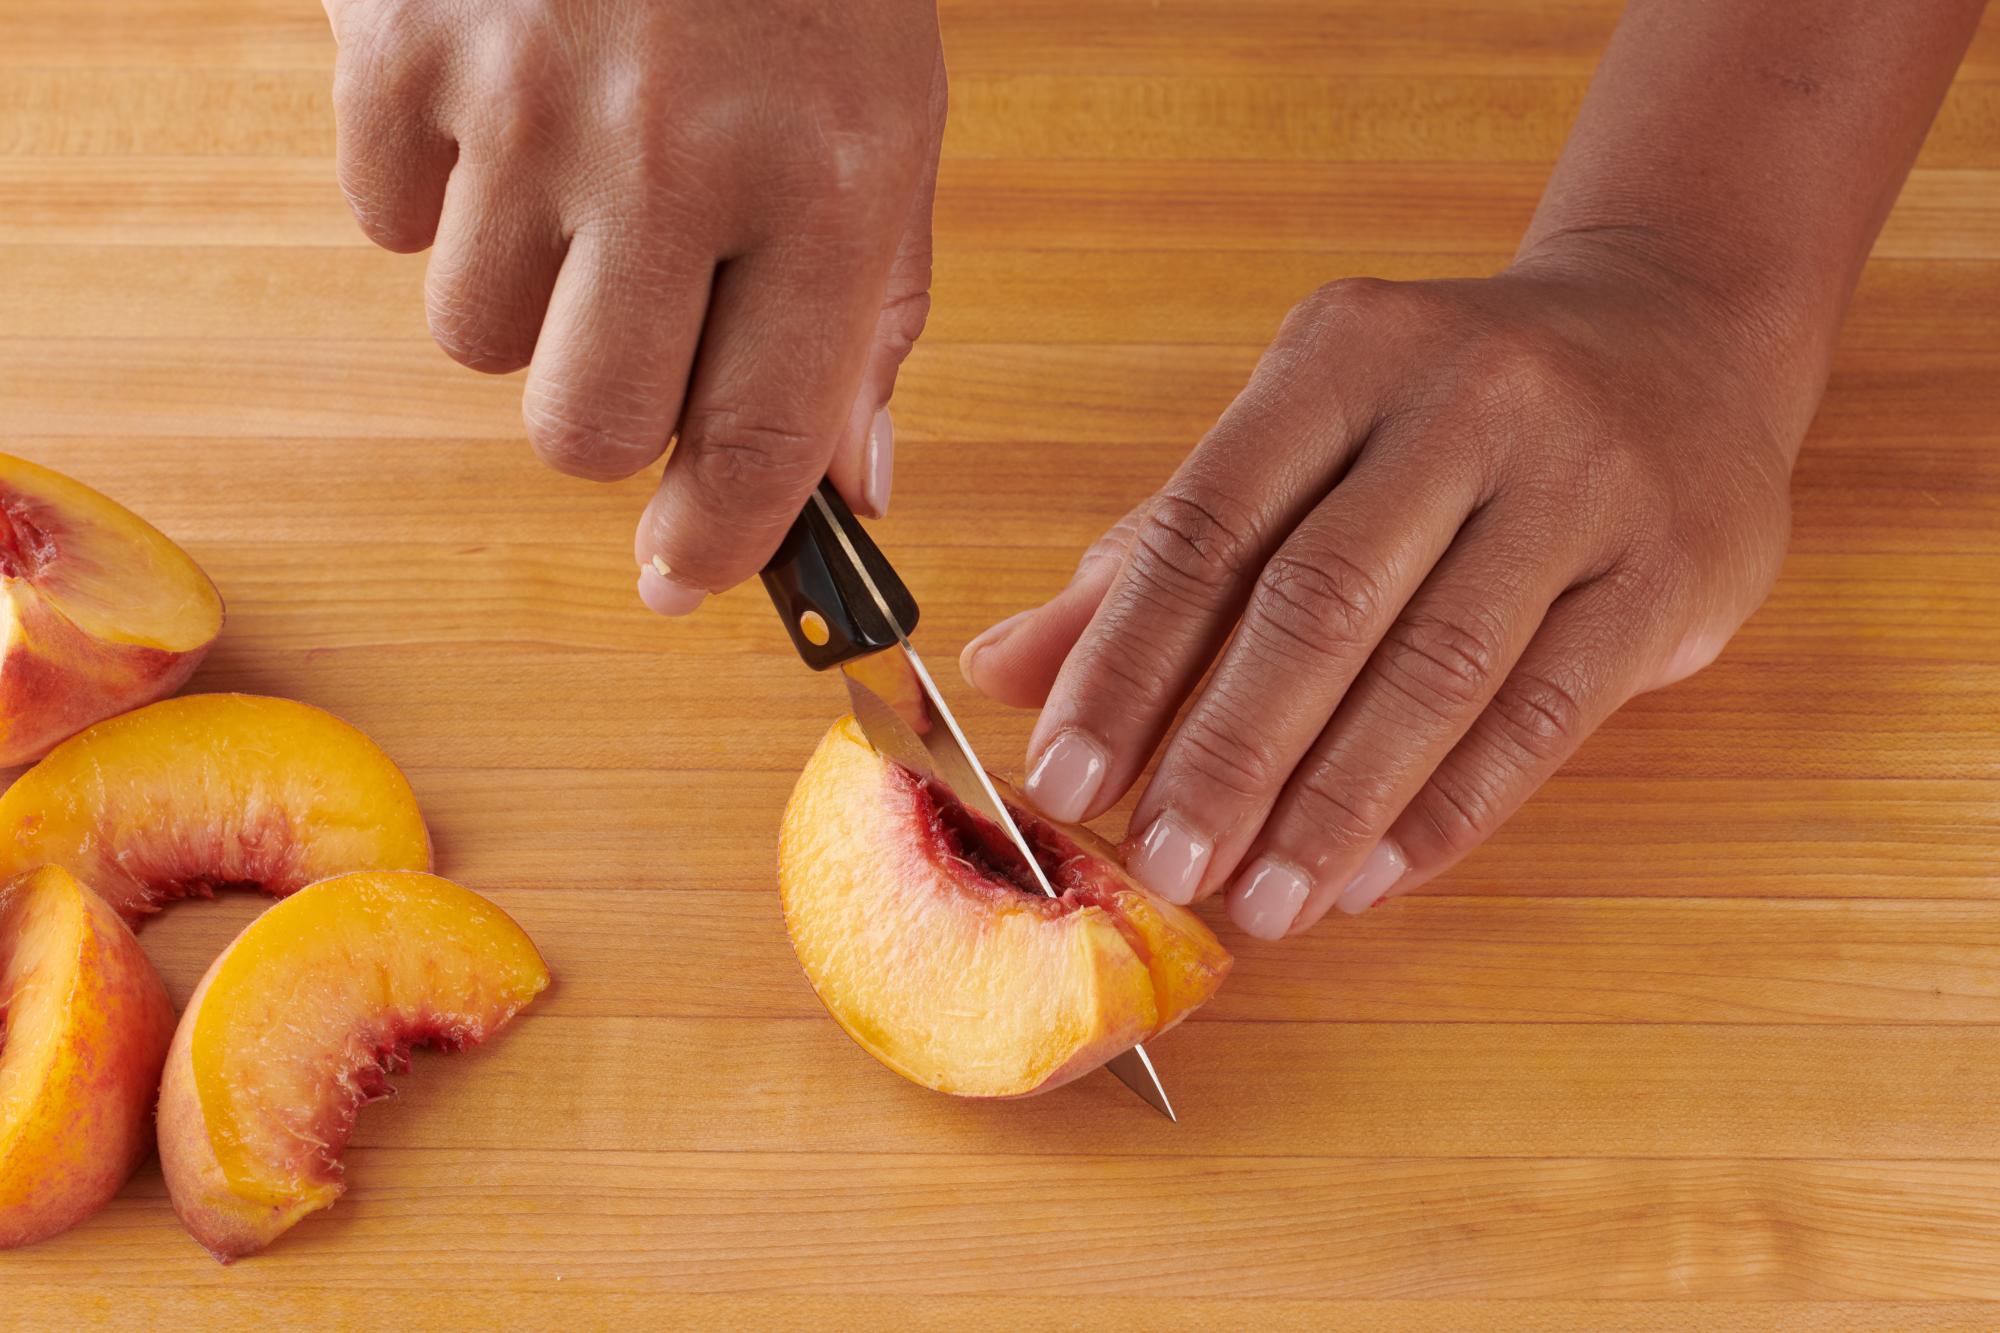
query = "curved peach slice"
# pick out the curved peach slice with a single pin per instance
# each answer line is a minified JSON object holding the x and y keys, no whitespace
{"x":99,"y":612}
{"x":295,"y":1027}
{"x":86,"y":1024}
{"x":208,"y":792}
{"x":920,"y":929}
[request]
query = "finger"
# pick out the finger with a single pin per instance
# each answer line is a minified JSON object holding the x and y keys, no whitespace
{"x":1016,"y":661}
{"x":1420,"y":692}
{"x":487,"y":289}
{"x":1196,"y":550}
{"x":1581,"y":667}
{"x":1318,"y":610}
{"x":391,"y":159}
{"x":611,"y":365}
{"x":781,"y":361}
{"x":864,"y":460}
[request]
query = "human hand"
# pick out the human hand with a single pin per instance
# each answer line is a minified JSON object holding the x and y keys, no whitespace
{"x":708,"y":218}
{"x":1451,"y":526}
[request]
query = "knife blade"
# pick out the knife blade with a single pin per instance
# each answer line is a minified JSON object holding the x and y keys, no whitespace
{"x":905,"y":717}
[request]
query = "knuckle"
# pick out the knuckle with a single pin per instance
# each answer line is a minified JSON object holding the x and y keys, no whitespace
{"x":1193,"y":546}
{"x":477,"y":336}
{"x":1342,"y":308}
{"x":1351,"y":298}
{"x":1542,"y":719}
{"x":1323,"y":605}
{"x":1616,"y":472}
{"x":385,"y":219}
{"x":1513,"y":369}
{"x":1458,"y":812}
{"x":520,"y":83}
{"x":1115,"y":544}
{"x":1444,"y":664}
{"x":1222,"y":749}
{"x":751,"y":461}
{"x":858,"y":160}
{"x":902,"y":323}
{"x":1126,"y":685}
{"x":573,"y":443}
{"x":1340,"y":812}
{"x":489,"y":349}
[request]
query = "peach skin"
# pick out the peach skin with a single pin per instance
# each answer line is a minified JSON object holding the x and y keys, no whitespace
{"x":99,"y":612}
{"x":86,"y":1024}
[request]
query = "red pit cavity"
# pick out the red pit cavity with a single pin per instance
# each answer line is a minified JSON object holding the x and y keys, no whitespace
{"x":962,"y":834}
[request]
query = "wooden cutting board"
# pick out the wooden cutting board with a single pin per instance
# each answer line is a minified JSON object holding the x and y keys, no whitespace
{"x":1714,"y":1024}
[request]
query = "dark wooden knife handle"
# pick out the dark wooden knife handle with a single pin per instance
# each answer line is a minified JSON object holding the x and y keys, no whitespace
{"x":820,"y":595}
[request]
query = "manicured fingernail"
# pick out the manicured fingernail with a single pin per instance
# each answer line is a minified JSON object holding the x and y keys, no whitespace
{"x":1064,"y":781}
{"x":665,"y":594}
{"x":1170,"y":859}
{"x":881,"y":463}
{"x":1378,"y":874}
{"x":1267,"y":899}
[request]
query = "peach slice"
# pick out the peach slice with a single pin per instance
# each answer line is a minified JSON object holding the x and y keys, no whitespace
{"x":296,"y":1026}
{"x":99,"y":612}
{"x":213,"y":791}
{"x":920,"y":929}
{"x":84,"y":1025}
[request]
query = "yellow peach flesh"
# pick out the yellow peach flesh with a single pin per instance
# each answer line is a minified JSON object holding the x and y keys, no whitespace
{"x":929,"y":952}
{"x":213,"y":791}
{"x":86,"y":1024}
{"x":297,"y":1023}
{"x":99,"y":611}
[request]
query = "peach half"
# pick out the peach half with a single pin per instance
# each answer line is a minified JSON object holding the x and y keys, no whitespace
{"x":84,"y":1025}
{"x":923,"y":934}
{"x":212,"y":791}
{"x":99,"y":612}
{"x":297,"y":1025}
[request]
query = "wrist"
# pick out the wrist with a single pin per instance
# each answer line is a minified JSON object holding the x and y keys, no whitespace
{"x":1729,"y":312}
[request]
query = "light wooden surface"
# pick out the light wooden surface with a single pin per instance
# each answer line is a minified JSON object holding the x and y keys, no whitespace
{"x":1714,"y":1024}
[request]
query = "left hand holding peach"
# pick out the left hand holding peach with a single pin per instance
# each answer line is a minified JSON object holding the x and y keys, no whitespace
{"x":1447,"y":529}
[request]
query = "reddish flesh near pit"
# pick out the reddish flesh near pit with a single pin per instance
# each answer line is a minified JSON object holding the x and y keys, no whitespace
{"x":366,"y":1079}
{"x":978,"y":852}
{"x":177,"y":861}
{"x":26,"y":546}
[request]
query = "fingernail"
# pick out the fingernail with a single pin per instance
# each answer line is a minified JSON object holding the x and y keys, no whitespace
{"x":1064,"y":781}
{"x":1378,"y":874}
{"x":666,"y":595}
{"x":1267,"y":899}
{"x":1170,"y":860}
{"x":881,"y":463}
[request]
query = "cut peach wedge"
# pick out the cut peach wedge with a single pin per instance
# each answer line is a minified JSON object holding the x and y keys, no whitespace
{"x":99,"y":612}
{"x":295,"y":1027}
{"x":212,"y":791}
{"x":921,"y":931}
{"x":84,"y":1025}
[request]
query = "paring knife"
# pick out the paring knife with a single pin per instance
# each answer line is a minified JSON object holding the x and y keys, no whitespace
{"x":845,"y":607}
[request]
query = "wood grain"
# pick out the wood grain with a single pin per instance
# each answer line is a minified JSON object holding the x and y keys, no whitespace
{"x":1708,"y":1037}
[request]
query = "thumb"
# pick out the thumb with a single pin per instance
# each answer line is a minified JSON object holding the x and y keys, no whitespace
{"x":1016,"y":662}
{"x":864,"y":461}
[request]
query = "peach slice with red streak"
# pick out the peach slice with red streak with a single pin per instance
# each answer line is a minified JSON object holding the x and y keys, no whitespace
{"x":212,"y":791}
{"x":296,"y":1027}
{"x":84,"y":1025}
{"x":99,"y":612}
{"x":919,"y":927}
